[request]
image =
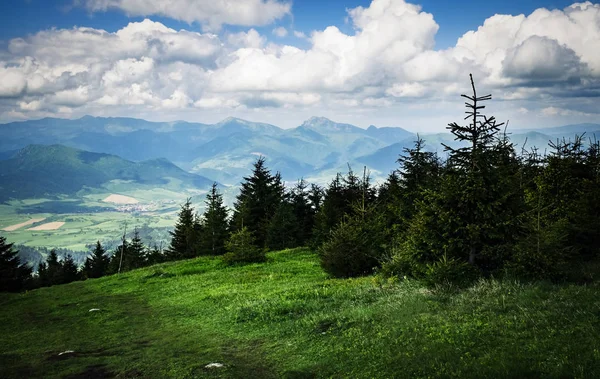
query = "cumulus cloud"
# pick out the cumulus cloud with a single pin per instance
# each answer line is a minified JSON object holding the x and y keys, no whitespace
{"x":210,"y":13}
{"x":389,"y":59}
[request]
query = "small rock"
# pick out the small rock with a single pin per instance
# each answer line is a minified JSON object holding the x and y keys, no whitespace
{"x":214,"y":365}
{"x":94,"y":310}
{"x":66,"y":352}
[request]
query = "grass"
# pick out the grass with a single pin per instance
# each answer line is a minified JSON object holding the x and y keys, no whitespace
{"x":285,"y":318}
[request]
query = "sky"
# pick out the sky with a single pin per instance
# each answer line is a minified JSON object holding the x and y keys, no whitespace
{"x":379,"y":62}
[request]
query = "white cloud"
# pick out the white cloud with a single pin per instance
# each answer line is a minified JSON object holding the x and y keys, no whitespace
{"x":388,"y":61}
{"x":246,"y":39}
{"x":212,"y":14}
{"x":12,"y":82}
{"x":280,"y":32}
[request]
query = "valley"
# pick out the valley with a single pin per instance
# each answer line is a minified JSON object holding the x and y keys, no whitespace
{"x":67,"y":183}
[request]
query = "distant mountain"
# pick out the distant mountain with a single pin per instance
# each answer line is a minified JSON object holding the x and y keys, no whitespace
{"x":566,"y":130}
{"x":41,"y":170}
{"x":225,"y":151}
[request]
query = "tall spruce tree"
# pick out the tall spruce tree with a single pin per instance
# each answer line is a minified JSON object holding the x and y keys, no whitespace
{"x":284,"y":227}
{"x":136,"y":252}
{"x":14,"y":276}
{"x":259,"y":198}
{"x":69,"y":270}
{"x":53,"y":273}
{"x":215,"y":228}
{"x":183,"y":238}
{"x":304,"y":212}
{"x":96,"y":265}
{"x":472,"y":215}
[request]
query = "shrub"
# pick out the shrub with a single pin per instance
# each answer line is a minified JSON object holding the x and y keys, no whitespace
{"x":241,"y":248}
{"x":351,"y":250}
{"x":449,"y":272}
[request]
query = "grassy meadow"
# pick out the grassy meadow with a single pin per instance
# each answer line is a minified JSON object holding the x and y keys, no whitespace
{"x":287,"y":319}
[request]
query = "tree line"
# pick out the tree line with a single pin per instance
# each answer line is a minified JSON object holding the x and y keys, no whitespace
{"x":485,"y":209}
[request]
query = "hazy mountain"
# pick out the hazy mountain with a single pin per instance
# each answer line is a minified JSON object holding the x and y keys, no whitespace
{"x":48,"y":170}
{"x":225,"y":151}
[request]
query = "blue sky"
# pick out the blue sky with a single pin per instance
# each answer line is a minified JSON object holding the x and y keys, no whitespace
{"x":22,"y":17}
{"x":382,"y":62}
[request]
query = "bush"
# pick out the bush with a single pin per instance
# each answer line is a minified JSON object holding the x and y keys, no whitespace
{"x":449,"y":272}
{"x":351,"y":250}
{"x":400,"y":263}
{"x":543,"y":255}
{"x":241,"y":248}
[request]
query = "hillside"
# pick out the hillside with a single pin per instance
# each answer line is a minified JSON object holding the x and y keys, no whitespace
{"x":42,"y":170}
{"x":285,"y":318}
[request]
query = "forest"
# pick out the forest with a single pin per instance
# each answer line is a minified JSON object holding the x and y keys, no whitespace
{"x":487,"y":209}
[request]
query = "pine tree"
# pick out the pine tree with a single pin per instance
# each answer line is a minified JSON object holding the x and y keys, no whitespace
{"x":259,"y":197}
{"x":69,"y":271}
{"x":42,"y":279}
{"x":284,"y":228}
{"x":96,"y":266}
{"x":155,"y":255}
{"x":54,"y":269}
{"x":304,"y":212}
{"x":242,"y":248}
{"x":136,"y":253}
{"x":215,"y":228}
{"x":14,"y":276}
{"x":183,"y":238}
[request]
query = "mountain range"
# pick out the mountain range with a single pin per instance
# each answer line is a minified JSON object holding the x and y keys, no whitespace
{"x":132,"y":149}
{"x":52,"y":170}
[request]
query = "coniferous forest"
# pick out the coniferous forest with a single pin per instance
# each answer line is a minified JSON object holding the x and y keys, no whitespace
{"x":484,"y":209}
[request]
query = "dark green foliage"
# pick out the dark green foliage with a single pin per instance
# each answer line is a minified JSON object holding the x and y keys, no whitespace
{"x":215,"y":228}
{"x":487,"y":208}
{"x":449,"y":272}
{"x":136,"y":253}
{"x":14,"y":276}
{"x":54,"y":272}
{"x":284,"y":228}
{"x":50,"y":273}
{"x":70,"y":273}
{"x":353,"y":248}
{"x":304,"y":204}
{"x":342,"y":195}
{"x":259,"y":198}
{"x":184,"y":237}
{"x":129,"y":255}
{"x":242,"y":248}
{"x":155,"y":255}
{"x":96,"y":265}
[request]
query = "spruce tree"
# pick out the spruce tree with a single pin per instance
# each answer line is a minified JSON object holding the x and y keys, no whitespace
{"x":42,"y":278}
{"x":303,"y":211}
{"x":69,"y":271}
{"x":14,"y":276}
{"x":96,"y":266}
{"x":155,"y":255}
{"x":284,"y":228}
{"x":183,"y":238}
{"x":259,"y":197}
{"x":54,"y":269}
{"x":215,"y":228}
{"x":242,"y":248}
{"x":136,"y":253}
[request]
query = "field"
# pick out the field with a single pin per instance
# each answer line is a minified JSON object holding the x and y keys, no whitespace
{"x":285,"y":318}
{"x":73,"y":223}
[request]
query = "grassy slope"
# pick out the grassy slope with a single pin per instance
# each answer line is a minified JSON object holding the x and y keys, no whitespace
{"x":286,"y":319}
